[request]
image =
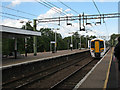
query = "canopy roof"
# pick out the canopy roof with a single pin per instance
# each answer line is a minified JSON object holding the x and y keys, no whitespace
{"x":12,"y":32}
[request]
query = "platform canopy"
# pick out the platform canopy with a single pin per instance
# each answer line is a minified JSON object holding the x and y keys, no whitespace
{"x":12,"y":32}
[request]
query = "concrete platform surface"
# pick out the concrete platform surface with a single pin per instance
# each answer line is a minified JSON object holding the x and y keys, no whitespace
{"x":104,"y":74}
{"x":43,"y":55}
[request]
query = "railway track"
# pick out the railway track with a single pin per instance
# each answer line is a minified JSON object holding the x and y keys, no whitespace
{"x":71,"y":80}
{"x":25,"y":81}
{"x":55,"y":79}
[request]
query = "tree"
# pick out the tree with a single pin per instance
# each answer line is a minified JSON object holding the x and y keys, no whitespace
{"x":43,"y":42}
{"x":92,"y":37}
{"x":113,"y":39}
{"x":27,"y":27}
{"x":7,"y":46}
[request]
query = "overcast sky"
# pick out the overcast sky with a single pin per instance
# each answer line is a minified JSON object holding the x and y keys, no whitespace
{"x":40,"y":11}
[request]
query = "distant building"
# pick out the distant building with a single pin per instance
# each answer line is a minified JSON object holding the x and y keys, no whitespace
{"x":119,"y":18}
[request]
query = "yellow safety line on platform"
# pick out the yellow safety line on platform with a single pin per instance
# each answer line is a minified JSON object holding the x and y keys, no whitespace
{"x":107,"y":76}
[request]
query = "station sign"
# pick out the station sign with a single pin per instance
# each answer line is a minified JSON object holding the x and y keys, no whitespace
{"x":52,"y":42}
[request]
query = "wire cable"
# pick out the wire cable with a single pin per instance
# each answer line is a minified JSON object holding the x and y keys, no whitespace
{"x":68,"y":7}
{"x":55,"y":6}
{"x":19,"y":11}
{"x":52,"y":6}
{"x":49,"y":6}
{"x":15,"y":15}
{"x":8,"y":17}
{"x":106,"y":28}
{"x":96,"y":6}
{"x":100,"y":14}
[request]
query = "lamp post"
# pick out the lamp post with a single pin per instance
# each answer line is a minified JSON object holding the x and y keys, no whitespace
{"x":86,"y":41}
{"x":25,"y":37}
{"x":71,"y":45}
{"x":56,"y":39}
{"x":15,"y":48}
{"x":34,"y":38}
{"x":88,"y":36}
{"x":80,"y":41}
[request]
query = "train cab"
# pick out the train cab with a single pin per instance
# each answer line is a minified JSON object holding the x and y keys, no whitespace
{"x":97,"y":48}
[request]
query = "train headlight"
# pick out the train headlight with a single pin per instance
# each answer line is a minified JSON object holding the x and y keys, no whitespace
{"x":92,"y":50}
{"x":102,"y":50}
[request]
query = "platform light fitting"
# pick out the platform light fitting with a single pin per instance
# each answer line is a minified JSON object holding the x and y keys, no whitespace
{"x":25,"y":21}
{"x":82,"y":29}
{"x":69,"y":24}
{"x":98,"y":23}
{"x":88,"y":24}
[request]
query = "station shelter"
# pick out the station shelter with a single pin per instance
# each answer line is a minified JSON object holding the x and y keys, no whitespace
{"x":14,"y":33}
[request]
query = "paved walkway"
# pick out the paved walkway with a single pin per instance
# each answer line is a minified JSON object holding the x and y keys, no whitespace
{"x":31,"y":57}
{"x":114,"y":76}
{"x":104,"y":74}
{"x":97,"y":77}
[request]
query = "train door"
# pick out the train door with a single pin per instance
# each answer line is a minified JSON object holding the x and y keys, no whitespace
{"x":97,"y":49}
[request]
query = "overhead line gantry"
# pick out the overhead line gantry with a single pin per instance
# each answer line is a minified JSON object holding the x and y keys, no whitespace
{"x":83,"y":17}
{"x":80,"y":17}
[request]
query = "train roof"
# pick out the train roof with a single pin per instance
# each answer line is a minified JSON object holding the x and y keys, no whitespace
{"x":97,"y":39}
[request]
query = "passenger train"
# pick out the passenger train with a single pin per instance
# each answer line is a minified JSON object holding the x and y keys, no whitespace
{"x":97,"y":47}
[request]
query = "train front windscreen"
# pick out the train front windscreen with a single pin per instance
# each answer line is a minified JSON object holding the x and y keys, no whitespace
{"x":101,"y":44}
{"x":92,"y":44}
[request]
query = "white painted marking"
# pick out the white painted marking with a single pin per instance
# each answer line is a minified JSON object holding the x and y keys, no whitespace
{"x":80,"y":83}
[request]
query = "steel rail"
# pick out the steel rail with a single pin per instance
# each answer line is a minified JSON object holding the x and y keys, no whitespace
{"x":54,"y":87}
{"x":5,"y":84}
{"x":28,"y":83}
{"x":57,"y":84}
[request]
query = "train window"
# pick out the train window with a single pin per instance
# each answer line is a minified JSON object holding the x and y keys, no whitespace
{"x":101,"y":44}
{"x":92,"y":44}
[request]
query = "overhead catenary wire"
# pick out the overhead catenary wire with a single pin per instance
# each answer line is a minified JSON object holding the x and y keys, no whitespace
{"x":8,"y":17}
{"x":68,"y":6}
{"x":100,"y":14}
{"x":106,"y":28}
{"x":55,"y":6}
{"x":72,"y":18}
{"x":15,"y":15}
{"x":96,"y":6}
{"x":50,"y":7}
{"x":27,"y":12}
{"x":45,"y":5}
{"x":59,"y":7}
{"x":49,"y":4}
{"x":18,"y":10}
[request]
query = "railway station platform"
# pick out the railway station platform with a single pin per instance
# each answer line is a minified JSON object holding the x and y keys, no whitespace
{"x":40,"y":56}
{"x":104,"y":75}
